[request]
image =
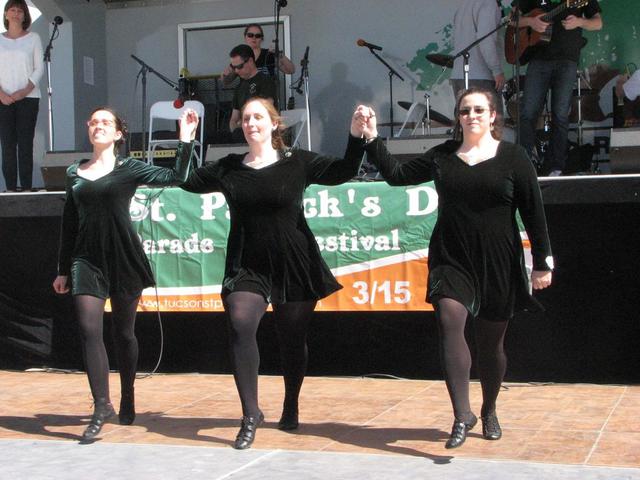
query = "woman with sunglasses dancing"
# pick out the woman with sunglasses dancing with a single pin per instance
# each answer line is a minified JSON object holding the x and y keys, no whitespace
{"x":476,"y":261}
{"x":102,"y":257}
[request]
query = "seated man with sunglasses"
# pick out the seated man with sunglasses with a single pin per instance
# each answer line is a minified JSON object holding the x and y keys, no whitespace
{"x":252,"y":84}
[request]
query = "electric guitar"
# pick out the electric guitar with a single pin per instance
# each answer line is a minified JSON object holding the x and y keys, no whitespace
{"x":528,"y":38}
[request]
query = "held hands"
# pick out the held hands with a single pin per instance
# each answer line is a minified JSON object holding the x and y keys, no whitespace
{"x":188,"y":125}
{"x":60,"y":284}
{"x":363,"y":123}
{"x":540,"y":279}
{"x":6,"y":99}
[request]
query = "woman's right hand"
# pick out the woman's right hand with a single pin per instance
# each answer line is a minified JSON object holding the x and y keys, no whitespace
{"x":60,"y":284}
{"x":363,"y":122}
{"x":6,"y":99}
{"x":188,"y":125}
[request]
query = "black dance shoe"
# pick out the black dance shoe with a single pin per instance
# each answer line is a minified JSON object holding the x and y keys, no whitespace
{"x":289,"y":419}
{"x":102,"y":412}
{"x":459,"y":432}
{"x":127,"y":413}
{"x":247,"y":433}
{"x":490,"y":427}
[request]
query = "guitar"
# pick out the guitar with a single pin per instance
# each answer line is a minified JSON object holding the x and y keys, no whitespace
{"x":528,"y":37}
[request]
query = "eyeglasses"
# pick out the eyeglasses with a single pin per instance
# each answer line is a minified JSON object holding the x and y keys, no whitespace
{"x":104,"y":122}
{"x":237,"y":67}
{"x":465,"y":111}
{"x":254,"y":35}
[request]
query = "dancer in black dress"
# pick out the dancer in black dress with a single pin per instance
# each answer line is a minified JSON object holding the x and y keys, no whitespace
{"x":100,"y":251}
{"x":272,"y":256}
{"x":476,"y":262}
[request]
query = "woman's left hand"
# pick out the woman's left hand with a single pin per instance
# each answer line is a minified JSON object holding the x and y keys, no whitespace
{"x":540,"y":279}
{"x":188,"y":125}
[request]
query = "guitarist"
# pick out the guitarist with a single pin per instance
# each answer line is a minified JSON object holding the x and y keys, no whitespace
{"x":553,"y":65}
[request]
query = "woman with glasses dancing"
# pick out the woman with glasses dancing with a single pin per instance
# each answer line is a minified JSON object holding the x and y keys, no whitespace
{"x":265,"y":58}
{"x":476,"y":261}
{"x":101,"y":257}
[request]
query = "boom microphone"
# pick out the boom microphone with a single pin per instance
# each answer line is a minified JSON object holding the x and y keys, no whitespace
{"x":370,"y":46}
{"x":57,"y":20}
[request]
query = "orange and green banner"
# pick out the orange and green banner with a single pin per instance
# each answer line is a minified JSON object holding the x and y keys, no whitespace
{"x":375,"y":239}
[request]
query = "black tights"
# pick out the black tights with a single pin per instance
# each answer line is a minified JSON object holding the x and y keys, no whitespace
{"x":90,"y":311}
{"x":245,"y":309}
{"x":456,"y":357}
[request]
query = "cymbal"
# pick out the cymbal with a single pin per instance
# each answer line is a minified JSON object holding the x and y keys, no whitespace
{"x":440,"y":59}
{"x":434,"y":114}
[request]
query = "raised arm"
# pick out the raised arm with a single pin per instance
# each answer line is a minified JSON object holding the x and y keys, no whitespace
{"x":160,"y":176}
{"x":411,"y":172}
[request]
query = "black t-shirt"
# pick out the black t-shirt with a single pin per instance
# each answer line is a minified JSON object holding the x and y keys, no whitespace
{"x":564,"y":44}
{"x":266,"y":62}
{"x":257,"y":86}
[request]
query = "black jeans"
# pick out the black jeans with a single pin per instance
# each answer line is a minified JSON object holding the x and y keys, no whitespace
{"x":17,"y":128}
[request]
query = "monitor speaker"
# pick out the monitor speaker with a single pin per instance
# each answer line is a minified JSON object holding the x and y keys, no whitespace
{"x":54,"y":167}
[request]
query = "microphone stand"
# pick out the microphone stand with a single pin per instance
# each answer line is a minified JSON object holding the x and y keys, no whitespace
{"x":392,"y":72}
{"x":304,"y":63}
{"x":144,"y":68}
{"x":279,"y":4}
{"x":47,"y":59}
{"x":464,"y":53}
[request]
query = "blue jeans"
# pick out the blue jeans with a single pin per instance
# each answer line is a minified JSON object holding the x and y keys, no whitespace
{"x":542,"y":75}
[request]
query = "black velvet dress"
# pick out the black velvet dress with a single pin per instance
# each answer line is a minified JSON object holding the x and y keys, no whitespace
{"x":475,"y":252}
{"x":99,"y":248}
{"x":270,"y":249}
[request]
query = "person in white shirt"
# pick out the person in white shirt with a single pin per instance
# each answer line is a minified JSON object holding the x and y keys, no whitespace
{"x":21,"y":67}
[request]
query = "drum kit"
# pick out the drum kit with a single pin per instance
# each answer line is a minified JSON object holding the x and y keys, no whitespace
{"x":584,"y":104}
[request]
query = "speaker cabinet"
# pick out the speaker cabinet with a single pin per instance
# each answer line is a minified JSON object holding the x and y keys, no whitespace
{"x":54,"y":167}
{"x":624,"y":150}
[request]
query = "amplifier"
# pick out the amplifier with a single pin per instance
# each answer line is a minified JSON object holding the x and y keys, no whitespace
{"x":416,"y":145}
{"x":624,"y":150}
{"x":54,"y":167}
{"x":217,"y":151}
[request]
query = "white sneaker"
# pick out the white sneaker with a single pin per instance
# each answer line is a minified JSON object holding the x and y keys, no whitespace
{"x":554,"y":173}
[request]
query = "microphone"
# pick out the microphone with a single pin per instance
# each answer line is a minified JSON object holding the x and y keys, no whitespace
{"x":370,"y":46}
{"x":182,"y":93}
{"x":57,"y":20}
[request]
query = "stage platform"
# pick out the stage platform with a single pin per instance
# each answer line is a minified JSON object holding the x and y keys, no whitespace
{"x":351,"y":428}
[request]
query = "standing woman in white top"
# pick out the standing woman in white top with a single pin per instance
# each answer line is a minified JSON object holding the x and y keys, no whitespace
{"x":21,"y":68}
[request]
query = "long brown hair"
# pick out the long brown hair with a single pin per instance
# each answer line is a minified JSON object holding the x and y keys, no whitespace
{"x":492,"y":99}
{"x":277,"y":141}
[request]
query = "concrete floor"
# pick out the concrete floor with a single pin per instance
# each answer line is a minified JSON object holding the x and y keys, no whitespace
{"x":351,"y":428}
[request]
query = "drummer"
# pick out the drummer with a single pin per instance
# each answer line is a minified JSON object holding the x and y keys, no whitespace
{"x":472,"y":20}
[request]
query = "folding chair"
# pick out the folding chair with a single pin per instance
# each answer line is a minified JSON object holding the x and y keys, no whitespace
{"x":413,"y":121}
{"x":166,"y":111}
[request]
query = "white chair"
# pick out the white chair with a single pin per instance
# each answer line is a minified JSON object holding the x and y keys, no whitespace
{"x":166,"y":111}
{"x":297,"y":120}
{"x":413,"y":121}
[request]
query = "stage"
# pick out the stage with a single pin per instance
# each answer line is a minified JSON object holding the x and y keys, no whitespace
{"x":588,"y":333}
{"x":350,"y":428}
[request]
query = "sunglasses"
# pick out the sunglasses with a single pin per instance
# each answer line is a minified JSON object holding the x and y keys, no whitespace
{"x":104,"y":123}
{"x":465,"y":111}
{"x":254,"y":35}
{"x":239,"y":66}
